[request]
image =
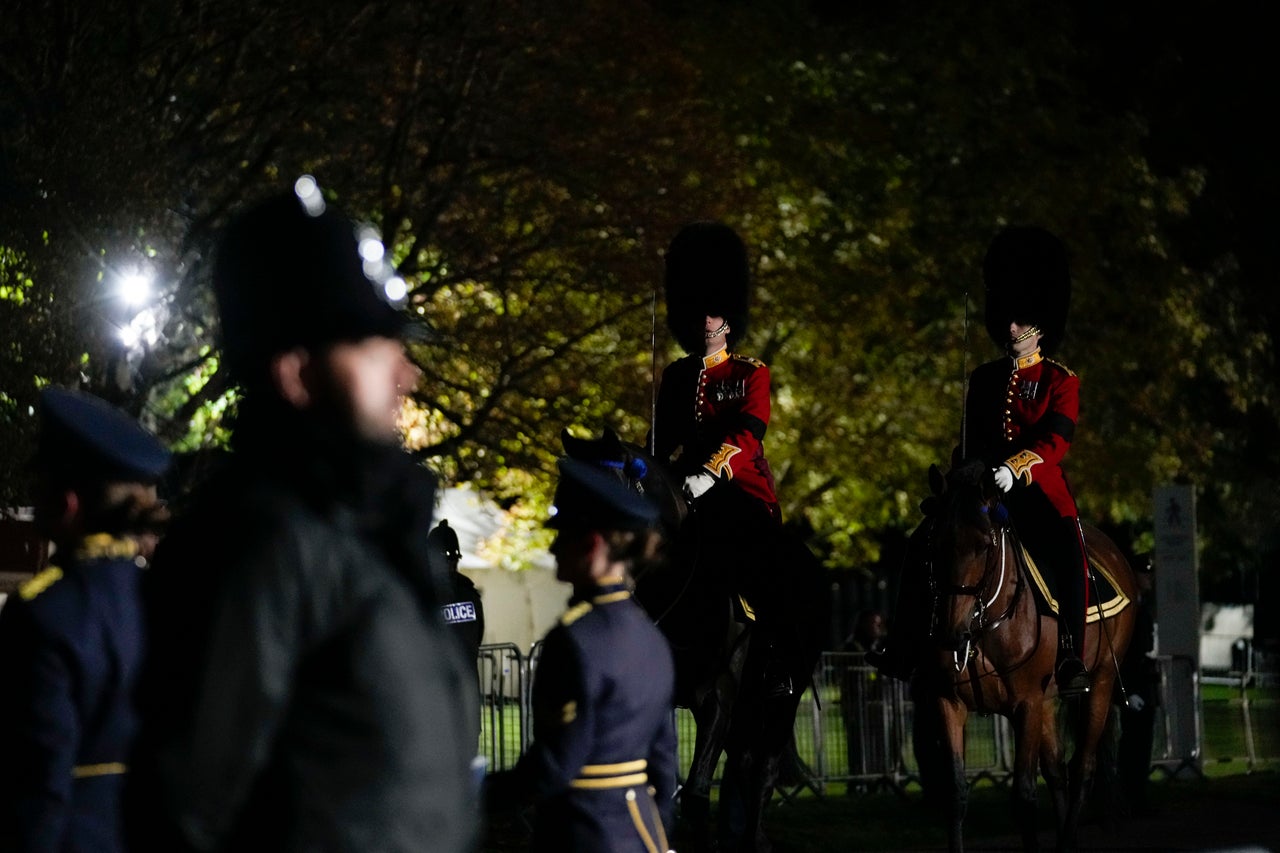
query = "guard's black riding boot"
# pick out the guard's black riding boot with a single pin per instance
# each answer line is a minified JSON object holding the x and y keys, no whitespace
{"x":1070,"y":673}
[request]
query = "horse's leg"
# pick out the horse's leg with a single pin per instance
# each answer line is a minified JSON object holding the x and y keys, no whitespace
{"x":711,"y":716}
{"x":1093,"y":712}
{"x":938,"y":739}
{"x":1052,"y":765}
{"x":714,"y":717}
{"x":1028,"y":725}
{"x":767,"y":734}
{"x":739,"y":813}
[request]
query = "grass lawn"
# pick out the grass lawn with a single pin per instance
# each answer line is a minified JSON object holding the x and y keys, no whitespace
{"x":1189,"y":808}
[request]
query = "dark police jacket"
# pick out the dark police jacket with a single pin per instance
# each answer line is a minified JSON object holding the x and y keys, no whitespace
{"x":602,"y":766}
{"x":70,"y":647}
{"x":463,"y":612}
{"x":302,"y":693}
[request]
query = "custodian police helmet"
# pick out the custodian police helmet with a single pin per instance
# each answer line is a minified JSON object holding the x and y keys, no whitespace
{"x":293,"y":271}
{"x":707,"y":275}
{"x":1027,"y":280}
{"x":443,"y":540}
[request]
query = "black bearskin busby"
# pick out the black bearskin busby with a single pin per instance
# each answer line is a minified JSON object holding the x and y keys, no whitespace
{"x":1027,"y":280}
{"x":707,"y":276}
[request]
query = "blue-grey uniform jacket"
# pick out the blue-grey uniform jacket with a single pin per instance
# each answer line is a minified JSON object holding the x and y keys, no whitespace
{"x":70,"y":647}
{"x":602,"y":767}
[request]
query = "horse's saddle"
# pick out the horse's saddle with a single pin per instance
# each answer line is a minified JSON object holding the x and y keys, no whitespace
{"x":1106,"y":599}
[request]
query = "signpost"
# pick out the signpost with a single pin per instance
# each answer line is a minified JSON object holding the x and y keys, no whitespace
{"x":1178,"y":617}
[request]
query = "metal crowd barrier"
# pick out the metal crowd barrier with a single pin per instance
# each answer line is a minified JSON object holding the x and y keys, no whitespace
{"x":858,"y":729}
{"x":853,"y":725}
{"x":504,"y":704}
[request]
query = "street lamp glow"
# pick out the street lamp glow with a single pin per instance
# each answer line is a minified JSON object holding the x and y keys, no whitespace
{"x":396,"y":289}
{"x":135,"y":289}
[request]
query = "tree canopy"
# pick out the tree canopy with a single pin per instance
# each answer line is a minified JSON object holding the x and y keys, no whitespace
{"x":528,"y":161}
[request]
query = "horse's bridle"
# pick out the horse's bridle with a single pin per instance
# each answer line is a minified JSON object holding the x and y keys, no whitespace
{"x":978,"y":621}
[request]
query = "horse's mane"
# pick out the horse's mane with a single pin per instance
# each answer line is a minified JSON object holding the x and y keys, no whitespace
{"x":635,"y":467}
{"x":968,"y":499}
{"x":968,"y":473}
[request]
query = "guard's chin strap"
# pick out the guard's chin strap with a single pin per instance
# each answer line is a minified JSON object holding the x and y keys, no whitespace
{"x":1029,"y":333}
{"x":724,"y":327}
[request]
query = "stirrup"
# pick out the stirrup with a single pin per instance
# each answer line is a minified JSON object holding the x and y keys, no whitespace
{"x":780,"y":687}
{"x":1071,"y":677}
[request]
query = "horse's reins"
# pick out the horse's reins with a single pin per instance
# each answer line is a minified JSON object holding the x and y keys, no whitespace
{"x":981,"y":607}
{"x":1102,"y":619}
{"x":634,"y":469}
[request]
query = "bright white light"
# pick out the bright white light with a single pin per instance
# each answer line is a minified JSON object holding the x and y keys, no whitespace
{"x":395,"y":288}
{"x":135,"y":289}
{"x":129,"y":336}
{"x":371,"y":249}
{"x":142,"y":331}
{"x":308,"y":192}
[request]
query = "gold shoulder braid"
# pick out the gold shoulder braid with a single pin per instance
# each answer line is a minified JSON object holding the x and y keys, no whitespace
{"x":573,"y":614}
{"x":38,"y":584}
{"x":1066,"y":369}
{"x":98,"y":546}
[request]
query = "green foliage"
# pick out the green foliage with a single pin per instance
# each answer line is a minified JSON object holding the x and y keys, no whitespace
{"x":527,"y":166}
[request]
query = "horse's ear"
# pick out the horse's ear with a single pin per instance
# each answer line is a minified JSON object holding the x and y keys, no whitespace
{"x":611,"y":438}
{"x":987,"y":482}
{"x":937,"y":482}
{"x":572,"y":445}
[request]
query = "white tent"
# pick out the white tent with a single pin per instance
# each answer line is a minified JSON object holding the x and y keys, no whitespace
{"x":519,"y":606}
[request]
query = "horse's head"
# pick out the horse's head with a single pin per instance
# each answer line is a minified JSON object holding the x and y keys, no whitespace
{"x":634,"y":467}
{"x":965,"y":549}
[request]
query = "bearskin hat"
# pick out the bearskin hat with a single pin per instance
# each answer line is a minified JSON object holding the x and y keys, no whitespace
{"x":707,"y":276}
{"x":1027,"y":280}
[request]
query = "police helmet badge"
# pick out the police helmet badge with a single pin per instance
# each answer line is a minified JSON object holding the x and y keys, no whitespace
{"x":291,"y":271}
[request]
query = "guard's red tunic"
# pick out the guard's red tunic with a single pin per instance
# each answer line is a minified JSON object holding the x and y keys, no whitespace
{"x":712,"y":415}
{"x":1022,"y":413}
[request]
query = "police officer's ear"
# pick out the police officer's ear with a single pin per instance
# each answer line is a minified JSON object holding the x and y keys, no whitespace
{"x":57,"y":510}
{"x":67,"y":506}
{"x":289,"y":376}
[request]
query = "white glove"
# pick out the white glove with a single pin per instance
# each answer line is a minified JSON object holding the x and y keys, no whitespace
{"x":696,"y":485}
{"x":1136,"y":702}
{"x":1004,"y":478}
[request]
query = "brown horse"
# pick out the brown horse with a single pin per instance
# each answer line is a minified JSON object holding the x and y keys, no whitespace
{"x":994,"y":652}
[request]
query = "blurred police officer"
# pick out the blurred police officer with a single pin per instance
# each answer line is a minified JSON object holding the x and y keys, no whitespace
{"x":601,"y":769}
{"x":1140,"y":678}
{"x":302,"y":693}
{"x":463,"y":611}
{"x":72,"y":636}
